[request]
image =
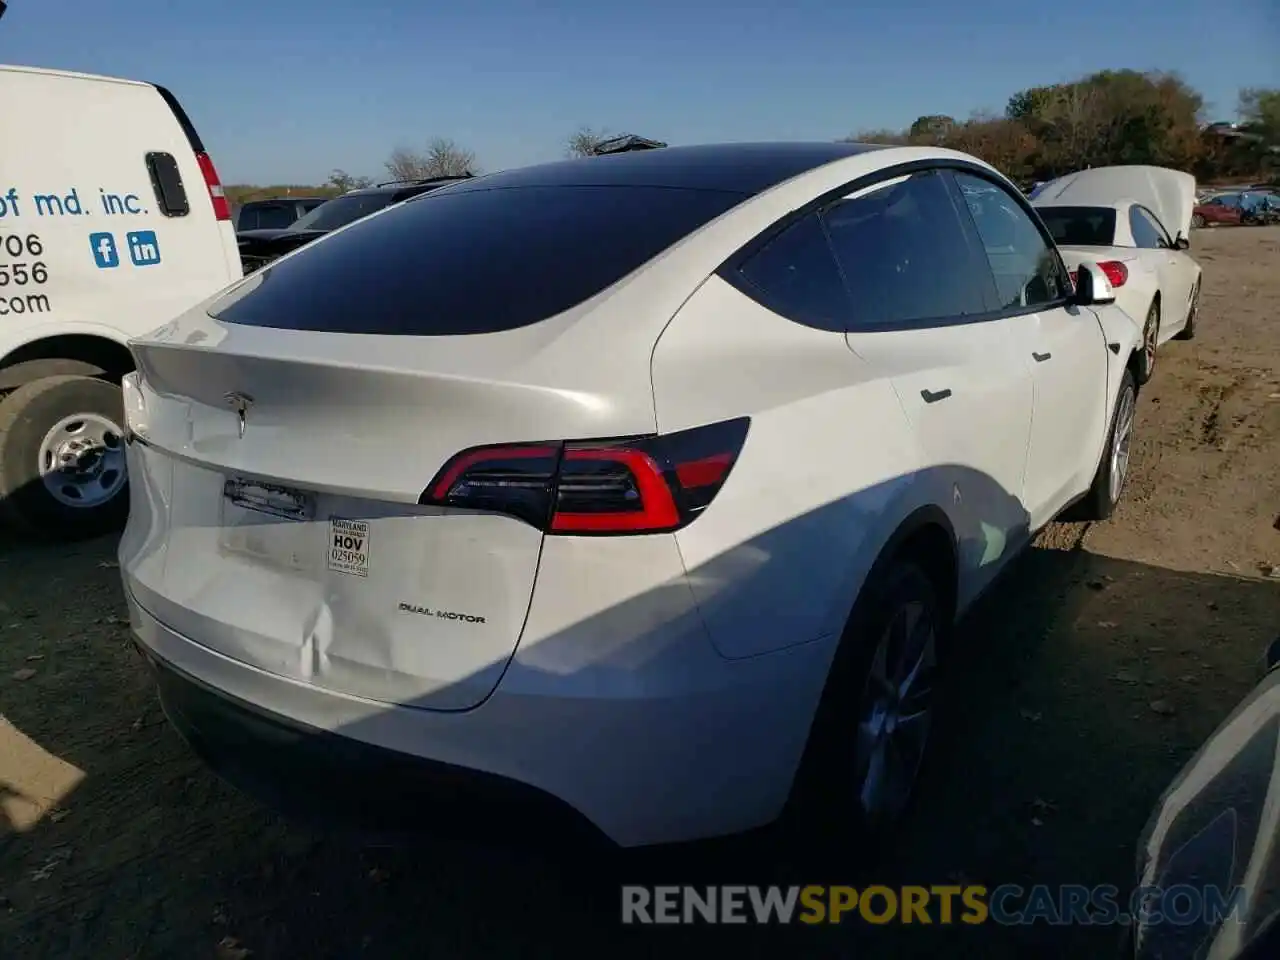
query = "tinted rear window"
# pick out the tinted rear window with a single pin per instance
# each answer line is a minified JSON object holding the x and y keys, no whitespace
{"x":475,"y":260}
{"x":275,"y":218}
{"x":1080,"y":226}
{"x":343,"y":210}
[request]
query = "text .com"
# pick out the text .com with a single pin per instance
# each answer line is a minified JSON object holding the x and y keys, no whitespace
{"x":1006,"y":905}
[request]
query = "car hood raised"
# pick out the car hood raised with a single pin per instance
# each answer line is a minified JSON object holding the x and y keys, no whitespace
{"x":1169,"y":194}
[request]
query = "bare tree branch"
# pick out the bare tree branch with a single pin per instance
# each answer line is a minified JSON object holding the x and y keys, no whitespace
{"x":584,"y":141}
{"x":442,"y":158}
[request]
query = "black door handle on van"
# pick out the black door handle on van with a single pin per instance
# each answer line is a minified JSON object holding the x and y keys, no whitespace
{"x":931,"y":397}
{"x":1041,"y":357}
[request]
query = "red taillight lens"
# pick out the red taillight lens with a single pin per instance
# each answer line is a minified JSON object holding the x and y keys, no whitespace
{"x":1117,"y":273}
{"x":221,"y":208}
{"x":638,"y":485}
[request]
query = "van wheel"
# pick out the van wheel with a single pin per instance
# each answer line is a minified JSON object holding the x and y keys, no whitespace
{"x":869,"y":736}
{"x":62,"y":458}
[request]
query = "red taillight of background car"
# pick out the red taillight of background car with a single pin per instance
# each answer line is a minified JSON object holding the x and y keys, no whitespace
{"x":1116,"y":272}
{"x":637,"y":485}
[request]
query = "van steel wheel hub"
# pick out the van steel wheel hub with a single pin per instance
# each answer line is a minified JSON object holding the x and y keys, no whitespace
{"x":82,"y":460}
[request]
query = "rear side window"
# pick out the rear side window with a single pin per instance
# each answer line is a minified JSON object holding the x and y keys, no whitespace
{"x":475,"y":260}
{"x":275,"y":216}
{"x":1080,"y":226}
{"x":794,"y":274}
{"x":343,"y":210}
{"x":1147,"y":234}
{"x":907,"y":255}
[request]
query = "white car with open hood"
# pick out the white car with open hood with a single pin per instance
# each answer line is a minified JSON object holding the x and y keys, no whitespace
{"x":645,"y":487}
{"x":1134,"y":222}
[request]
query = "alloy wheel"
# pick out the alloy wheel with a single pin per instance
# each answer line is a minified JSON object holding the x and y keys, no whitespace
{"x":896,"y":713}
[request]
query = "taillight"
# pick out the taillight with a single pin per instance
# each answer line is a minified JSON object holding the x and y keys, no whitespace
{"x":221,"y":208}
{"x":637,"y":485}
{"x":1117,"y":273}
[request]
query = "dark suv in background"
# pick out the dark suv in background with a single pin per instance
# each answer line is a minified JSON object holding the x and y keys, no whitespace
{"x":260,"y":247}
{"x":274,"y":214}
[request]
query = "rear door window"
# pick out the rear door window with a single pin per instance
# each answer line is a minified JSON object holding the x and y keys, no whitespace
{"x":474,"y":259}
{"x":907,"y":255}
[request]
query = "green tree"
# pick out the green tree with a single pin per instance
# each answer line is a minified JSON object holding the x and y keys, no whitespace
{"x":892,"y":137}
{"x":1027,"y":104}
{"x":933,"y":128}
{"x":1259,"y":109}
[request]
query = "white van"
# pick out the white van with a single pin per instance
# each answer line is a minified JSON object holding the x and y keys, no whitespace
{"x":112,"y":222}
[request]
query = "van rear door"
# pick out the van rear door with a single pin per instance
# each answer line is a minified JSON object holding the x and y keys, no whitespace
{"x":112,"y":221}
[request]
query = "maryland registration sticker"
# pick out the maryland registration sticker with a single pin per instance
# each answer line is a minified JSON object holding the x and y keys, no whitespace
{"x":349,"y":546}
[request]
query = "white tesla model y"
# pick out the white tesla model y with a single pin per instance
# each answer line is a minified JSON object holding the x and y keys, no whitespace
{"x":642,"y":487}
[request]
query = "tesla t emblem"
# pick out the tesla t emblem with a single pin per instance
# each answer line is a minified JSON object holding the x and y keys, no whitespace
{"x":239,"y":402}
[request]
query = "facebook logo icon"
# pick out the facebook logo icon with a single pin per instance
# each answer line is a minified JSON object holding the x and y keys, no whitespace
{"x":143,"y":249}
{"x":104,"y":250}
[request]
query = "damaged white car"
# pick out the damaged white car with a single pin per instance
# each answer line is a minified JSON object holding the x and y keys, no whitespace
{"x":1134,"y":223}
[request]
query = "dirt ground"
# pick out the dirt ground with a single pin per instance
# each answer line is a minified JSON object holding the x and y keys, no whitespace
{"x":1089,"y":677}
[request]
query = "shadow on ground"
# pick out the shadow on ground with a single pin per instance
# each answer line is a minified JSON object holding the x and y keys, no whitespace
{"x":1082,"y":686}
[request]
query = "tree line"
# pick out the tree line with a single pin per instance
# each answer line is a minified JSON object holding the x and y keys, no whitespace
{"x":1105,"y":118}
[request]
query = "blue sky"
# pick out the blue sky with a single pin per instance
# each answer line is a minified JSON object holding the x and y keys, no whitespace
{"x":284,"y":91}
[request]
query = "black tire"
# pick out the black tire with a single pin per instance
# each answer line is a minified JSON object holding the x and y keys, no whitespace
{"x":826,"y":819}
{"x":1150,"y":340}
{"x":1100,"y":502}
{"x":1188,"y":332}
{"x":1197,"y":221}
{"x":26,"y":417}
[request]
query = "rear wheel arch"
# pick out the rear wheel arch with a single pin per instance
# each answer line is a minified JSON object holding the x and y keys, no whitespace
{"x":85,"y":355}
{"x":924,"y":542}
{"x":928,"y":538}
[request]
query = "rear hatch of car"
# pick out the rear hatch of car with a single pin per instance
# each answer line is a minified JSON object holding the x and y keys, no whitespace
{"x":286,"y":438}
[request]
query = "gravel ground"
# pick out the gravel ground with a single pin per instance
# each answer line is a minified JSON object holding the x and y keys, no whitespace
{"x":1088,"y":678}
